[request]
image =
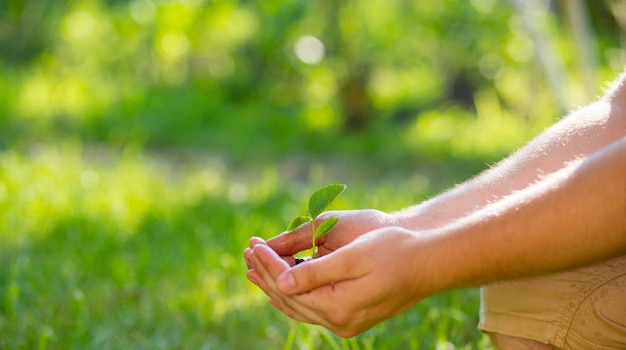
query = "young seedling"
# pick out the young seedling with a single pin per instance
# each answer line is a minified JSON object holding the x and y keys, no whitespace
{"x":318,"y":201}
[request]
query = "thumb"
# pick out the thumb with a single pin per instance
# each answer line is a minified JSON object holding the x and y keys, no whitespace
{"x":332,"y":268}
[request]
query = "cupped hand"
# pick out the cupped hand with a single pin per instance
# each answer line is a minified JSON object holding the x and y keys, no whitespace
{"x":351,"y":224}
{"x":374,"y":277}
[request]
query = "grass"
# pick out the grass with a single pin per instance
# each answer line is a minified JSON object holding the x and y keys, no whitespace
{"x":122,"y":246}
{"x":103,"y":249}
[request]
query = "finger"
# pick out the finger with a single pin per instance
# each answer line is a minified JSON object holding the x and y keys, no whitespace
{"x":315,"y":273}
{"x":292,"y":242}
{"x":290,"y":312}
{"x":256,"y":241}
{"x":271,"y":262}
{"x":289,"y":259}
{"x":263,"y":278}
{"x":247,"y":256}
{"x":267,"y":266}
{"x":270,"y":266}
{"x":254,"y":277}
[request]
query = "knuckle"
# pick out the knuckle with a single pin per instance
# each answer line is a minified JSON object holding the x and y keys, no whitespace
{"x":313,"y":275}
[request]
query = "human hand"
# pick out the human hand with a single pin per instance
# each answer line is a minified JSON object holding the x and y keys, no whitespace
{"x":351,"y":224}
{"x":372,"y":278}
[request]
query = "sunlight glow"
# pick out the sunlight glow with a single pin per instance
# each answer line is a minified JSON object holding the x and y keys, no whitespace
{"x":309,"y":49}
{"x":142,"y":11}
{"x":490,"y":65}
{"x":520,"y":48}
{"x":321,"y":89}
{"x":175,"y":44}
{"x":484,"y":6}
{"x":238,"y":193}
{"x":80,"y":24}
{"x":90,"y":179}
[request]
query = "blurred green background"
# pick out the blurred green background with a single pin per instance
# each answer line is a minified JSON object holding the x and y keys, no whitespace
{"x":143,"y":142}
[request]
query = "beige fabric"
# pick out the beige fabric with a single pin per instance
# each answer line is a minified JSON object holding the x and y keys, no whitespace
{"x":583,"y":308}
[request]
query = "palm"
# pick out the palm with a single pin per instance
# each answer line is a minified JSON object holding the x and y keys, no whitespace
{"x":351,"y":224}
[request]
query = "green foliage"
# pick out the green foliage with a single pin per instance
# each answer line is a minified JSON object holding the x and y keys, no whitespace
{"x":143,"y":142}
{"x":297,"y":221}
{"x":105,"y":249}
{"x":321,"y":198}
{"x":212,"y":73}
{"x":325,"y":227}
{"x":318,"y":202}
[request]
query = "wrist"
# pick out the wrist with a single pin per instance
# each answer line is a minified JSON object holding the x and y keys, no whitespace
{"x":379,"y":219}
{"x":426,"y":257}
{"x":413,"y":219}
{"x":441,"y":260}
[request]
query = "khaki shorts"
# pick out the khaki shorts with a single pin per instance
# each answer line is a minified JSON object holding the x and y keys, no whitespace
{"x":583,"y":308}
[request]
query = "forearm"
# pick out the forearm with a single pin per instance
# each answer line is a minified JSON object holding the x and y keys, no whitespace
{"x":574,"y":218}
{"x":578,"y":135}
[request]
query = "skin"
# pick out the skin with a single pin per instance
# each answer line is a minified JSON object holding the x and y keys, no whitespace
{"x":557,"y":203}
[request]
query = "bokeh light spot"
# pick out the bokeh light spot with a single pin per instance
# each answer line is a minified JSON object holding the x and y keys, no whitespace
{"x":520,"y":48}
{"x":238,"y":193}
{"x":142,"y":11}
{"x":309,"y":49}
{"x":80,"y":24}
{"x":490,"y":65}
{"x":484,"y":6}
{"x":90,"y":179}
{"x":175,"y":44}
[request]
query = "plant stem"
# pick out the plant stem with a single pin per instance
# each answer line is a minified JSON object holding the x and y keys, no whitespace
{"x":313,"y":237}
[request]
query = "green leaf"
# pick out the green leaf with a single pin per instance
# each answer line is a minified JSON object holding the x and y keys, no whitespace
{"x":297,"y":222}
{"x":321,"y":198}
{"x":325,"y":227}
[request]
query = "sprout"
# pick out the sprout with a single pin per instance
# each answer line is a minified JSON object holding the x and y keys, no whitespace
{"x":318,"y":201}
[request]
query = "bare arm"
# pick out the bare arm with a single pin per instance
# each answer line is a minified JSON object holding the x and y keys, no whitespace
{"x":558,"y":202}
{"x":574,"y":217}
{"x":578,"y":135}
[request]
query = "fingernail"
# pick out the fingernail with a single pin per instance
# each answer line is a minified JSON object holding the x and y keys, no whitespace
{"x":286,"y":282}
{"x":256,"y":240}
{"x":246,"y":256}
